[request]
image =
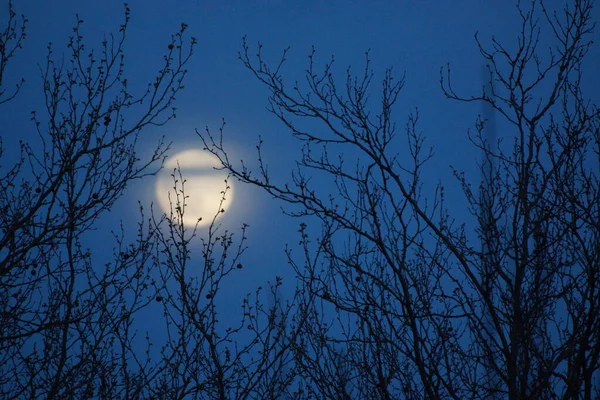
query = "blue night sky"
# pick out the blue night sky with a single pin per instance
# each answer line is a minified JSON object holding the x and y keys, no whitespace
{"x":413,"y":37}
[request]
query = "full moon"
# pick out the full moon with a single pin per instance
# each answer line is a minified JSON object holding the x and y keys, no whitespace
{"x":204,"y":187}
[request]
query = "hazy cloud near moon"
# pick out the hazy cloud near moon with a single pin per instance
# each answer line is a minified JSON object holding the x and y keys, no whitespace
{"x":203,"y":184}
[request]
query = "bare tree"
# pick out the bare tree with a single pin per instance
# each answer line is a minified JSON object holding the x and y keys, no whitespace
{"x":69,"y":312}
{"x":395,"y":298}
{"x":66,"y":321}
{"x":203,"y":357}
{"x":401,"y":299}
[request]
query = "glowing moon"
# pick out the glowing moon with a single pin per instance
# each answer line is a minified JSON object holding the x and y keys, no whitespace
{"x":203,"y":186}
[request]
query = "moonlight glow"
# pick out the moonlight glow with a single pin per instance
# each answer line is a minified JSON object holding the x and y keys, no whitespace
{"x":203,"y":186}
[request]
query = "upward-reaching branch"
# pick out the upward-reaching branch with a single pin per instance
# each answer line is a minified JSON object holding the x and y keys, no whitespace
{"x":404,"y":302}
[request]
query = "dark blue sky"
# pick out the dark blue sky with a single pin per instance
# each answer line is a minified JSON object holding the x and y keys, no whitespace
{"x":416,"y":37}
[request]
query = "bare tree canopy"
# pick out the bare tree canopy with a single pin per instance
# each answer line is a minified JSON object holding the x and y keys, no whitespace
{"x":397,"y":295}
{"x":69,"y":319}
{"x":403,"y":299}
